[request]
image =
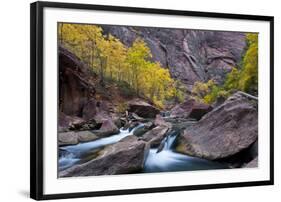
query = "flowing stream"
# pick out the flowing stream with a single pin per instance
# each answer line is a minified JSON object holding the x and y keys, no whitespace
{"x":74,"y":154}
{"x":169,"y":160}
{"x":157,"y":160}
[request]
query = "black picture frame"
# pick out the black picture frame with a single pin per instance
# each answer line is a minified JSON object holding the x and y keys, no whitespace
{"x":37,"y":100}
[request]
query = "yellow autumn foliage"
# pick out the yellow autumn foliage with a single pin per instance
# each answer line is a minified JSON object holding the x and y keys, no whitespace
{"x":112,"y":60}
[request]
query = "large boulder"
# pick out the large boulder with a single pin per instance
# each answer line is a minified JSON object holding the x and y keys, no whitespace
{"x":90,"y":109}
{"x":155,"y":136}
{"x":72,"y":137}
{"x":126,"y":156}
{"x":107,"y":128}
{"x":227,"y":130}
{"x":65,"y":121}
{"x":143,"y":128}
{"x":159,"y":121}
{"x":142,"y":109}
{"x":67,"y":138}
{"x":86,"y":136}
{"x":190,"y":109}
{"x":101,"y":116}
{"x":102,"y":111}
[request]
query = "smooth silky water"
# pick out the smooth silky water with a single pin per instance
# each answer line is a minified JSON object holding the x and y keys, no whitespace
{"x":168,"y":160}
{"x":74,"y":154}
{"x":156,"y":161}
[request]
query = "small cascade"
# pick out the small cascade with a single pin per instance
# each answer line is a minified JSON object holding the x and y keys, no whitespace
{"x":165,"y":159}
{"x":66,"y":160}
{"x":70,"y":155}
{"x":161,"y":159}
{"x":169,"y":140}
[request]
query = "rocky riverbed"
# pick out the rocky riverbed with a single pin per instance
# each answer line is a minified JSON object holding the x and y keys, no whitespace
{"x":168,"y":143}
{"x":95,"y":137}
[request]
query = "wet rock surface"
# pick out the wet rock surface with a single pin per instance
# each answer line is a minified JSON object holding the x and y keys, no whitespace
{"x":126,"y":156}
{"x":223,"y":132}
{"x":155,"y":136}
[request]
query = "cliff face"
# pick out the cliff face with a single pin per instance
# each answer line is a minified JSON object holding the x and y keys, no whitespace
{"x":76,"y":88}
{"x":190,"y":55}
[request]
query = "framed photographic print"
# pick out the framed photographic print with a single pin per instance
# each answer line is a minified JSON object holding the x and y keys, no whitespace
{"x":134,"y":100}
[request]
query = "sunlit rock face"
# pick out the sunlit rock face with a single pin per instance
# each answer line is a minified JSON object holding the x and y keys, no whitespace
{"x":190,"y":55}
